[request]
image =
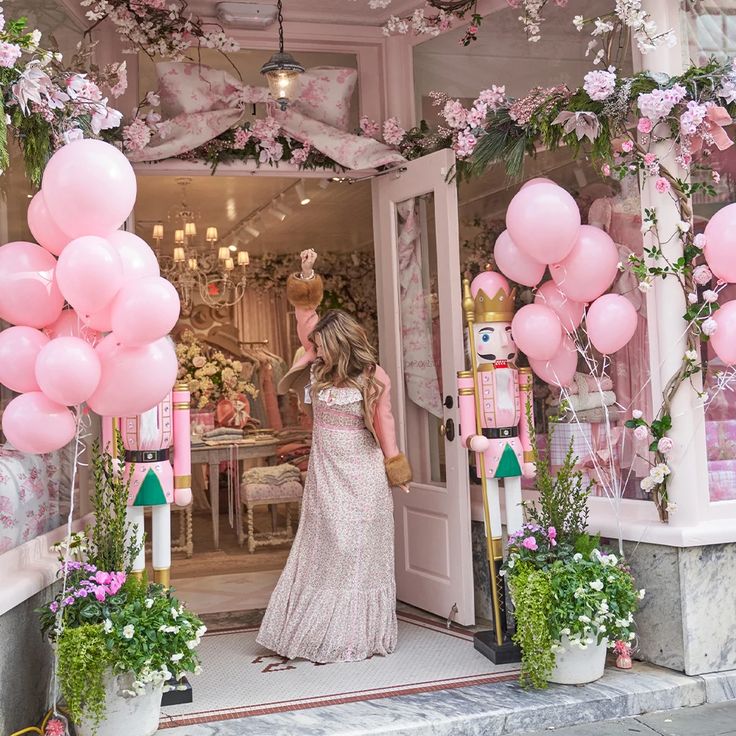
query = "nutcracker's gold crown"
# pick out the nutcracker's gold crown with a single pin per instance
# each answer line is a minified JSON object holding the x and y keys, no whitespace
{"x":499,"y":308}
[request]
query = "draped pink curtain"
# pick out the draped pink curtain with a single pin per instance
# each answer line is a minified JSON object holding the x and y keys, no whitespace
{"x":262,"y":315}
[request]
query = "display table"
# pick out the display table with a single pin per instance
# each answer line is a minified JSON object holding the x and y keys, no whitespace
{"x":213,"y":455}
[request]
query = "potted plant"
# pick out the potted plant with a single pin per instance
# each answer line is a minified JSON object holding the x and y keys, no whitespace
{"x":119,"y":640}
{"x":572,"y":599}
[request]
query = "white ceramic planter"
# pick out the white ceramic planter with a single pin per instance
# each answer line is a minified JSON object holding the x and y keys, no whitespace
{"x":125,"y":715}
{"x":576,"y":666}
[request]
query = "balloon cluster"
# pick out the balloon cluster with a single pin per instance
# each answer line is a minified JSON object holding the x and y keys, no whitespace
{"x":543,"y":228}
{"x":59,"y":357}
{"x":720,"y":255}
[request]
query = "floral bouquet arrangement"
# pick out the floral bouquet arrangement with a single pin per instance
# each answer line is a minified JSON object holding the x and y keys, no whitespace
{"x":107,"y":624}
{"x":210,"y":374}
{"x":567,"y":591}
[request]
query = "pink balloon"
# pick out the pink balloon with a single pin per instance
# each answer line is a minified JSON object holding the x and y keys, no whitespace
{"x":536,"y":330}
{"x":543,"y":220}
{"x":590,"y":268}
{"x":33,"y":423}
{"x":560,"y":370}
{"x":29,"y":294}
{"x":70,"y":325}
{"x":723,"y":339}
{"x":89,"y":273}
{"x":536,"y":180}
{"x":137,"y":257}
{"x":134,"y":379}
{"x":19,"y":348}
{"x":89,"y":187}
{"x":611,"y":322}
{"x":145,"y":310}
{"x":68,"y":370}
{"x":720,"y":245}
{"x":570,"y":313}
{"x":46,"y":232}
{"x":514,"y":263}
{"x":100,"y":321}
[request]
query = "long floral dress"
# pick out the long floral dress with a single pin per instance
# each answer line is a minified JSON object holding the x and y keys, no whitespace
{"x":336,"y":598}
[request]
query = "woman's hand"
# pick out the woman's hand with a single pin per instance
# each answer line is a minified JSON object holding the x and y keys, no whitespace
{"x":404,"y":488}
{"x":308,"y":257}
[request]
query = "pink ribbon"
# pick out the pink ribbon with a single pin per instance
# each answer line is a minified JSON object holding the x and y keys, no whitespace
{"x":715,"y":119}
{"x":199,"y":103}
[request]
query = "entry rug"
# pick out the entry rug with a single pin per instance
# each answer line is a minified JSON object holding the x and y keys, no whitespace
{"x":240,"y":678}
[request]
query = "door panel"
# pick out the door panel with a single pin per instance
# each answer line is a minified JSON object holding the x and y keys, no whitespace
{"x":420,"y":327}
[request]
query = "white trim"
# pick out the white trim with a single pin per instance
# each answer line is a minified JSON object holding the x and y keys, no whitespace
{"x":29,"y":568}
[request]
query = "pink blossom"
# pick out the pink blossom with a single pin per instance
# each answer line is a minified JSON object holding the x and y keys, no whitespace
{"x":9,"y":54}
{"x":710,"y":296}
{"x":693,"y":116}
{"x":552,"y":533}
{"x":100,"y":592}
{"x":627,"y":146}
{"x":702,"y":275}
{"x":455,"y":114}
{"x":709,"y":327}
{"x":514,"y":3}
{"x":393,"y":133}
{"x":599,"y":84}
{"x":692,"y":298}
{"x":267,"y":128}
{"x":494,"y":96}
{"x":299,"y":156}
{"x":699,"y":241}
{"x":242,"y":136}
{"x":55,"y":727}
{"x":136,"y":135}
{"x":473,"y":30}
{"x":477,"y":115}
{"x":649,"y":159}
{"x":465,"y":144}
{"x":686,"y":158}
{"x":606,"y":170}
{"x":530,"y":543}
{"x":637,"y":414}
{"x":665,"y":445}
{"x":122,"y":84}
{"x":101,"y":578}
{"x":641,"y":433}
{"x":369,"y":127}
{"x":662,"y":185}
{"x":716,"y":177}
{"x":561,"y":3}
{"x":644,"y":125}
{"x":153,"y":99}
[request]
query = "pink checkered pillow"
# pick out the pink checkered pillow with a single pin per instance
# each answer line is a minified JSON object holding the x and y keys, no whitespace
{"x":325,"y":93}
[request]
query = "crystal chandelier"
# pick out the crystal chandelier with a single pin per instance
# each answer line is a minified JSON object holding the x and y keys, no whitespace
{"x":218,"y":277}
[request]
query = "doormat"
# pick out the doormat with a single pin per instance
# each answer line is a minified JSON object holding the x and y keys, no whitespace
{"x":241,"y":679}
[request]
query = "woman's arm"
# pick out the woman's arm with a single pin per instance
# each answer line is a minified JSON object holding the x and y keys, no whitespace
{"x":305,"y":291}
{"x":398,"y":469}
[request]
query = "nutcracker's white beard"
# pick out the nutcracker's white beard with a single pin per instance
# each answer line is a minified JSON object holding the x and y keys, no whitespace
{"x":148,"y":427}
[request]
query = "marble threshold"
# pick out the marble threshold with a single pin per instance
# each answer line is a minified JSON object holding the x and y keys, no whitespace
{"x":496,"y":709}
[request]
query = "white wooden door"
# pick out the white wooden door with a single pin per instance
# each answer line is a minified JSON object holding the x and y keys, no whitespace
{"x":415,"y":219}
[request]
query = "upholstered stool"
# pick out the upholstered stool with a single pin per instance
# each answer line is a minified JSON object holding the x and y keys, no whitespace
{"x":264,"y":494}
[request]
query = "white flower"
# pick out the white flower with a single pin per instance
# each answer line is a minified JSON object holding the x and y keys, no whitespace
{"x":565,"y":632}
{"x":193,"y":643}
{"x":201,"y":631}
{"x":709,"y":327}
{"x":107,"y":626}
{"x":174,"y":614}
{"x":683,"y":226}
{"x":128,"y":631}
{"x":597,"y":585}
{"x":578,"y":21}
{"x":584,"y":619}
{"x":645,"y":286}
{"x":710,"y":296}
{"x":692,"y":297}
{"x":691,"y":355}
{"x":647,"y":484}
{"x":35,"y":38}
{"x":149,"y":602}
{"x":637,"y":414}
{"x":176,"y":657}
{"x":198,"y":670}
{"x":642,"y":593}
{"x":577,"y":557}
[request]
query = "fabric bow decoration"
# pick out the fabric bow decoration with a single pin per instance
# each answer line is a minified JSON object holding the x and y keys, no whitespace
{"x":198,"y":103}
{"x":715,"y":120}
{"x":583,"y":124}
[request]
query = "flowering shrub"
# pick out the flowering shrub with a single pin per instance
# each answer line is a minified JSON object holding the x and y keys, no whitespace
{"x":210,"y":374}
{"x":45,"y":104}
{"x":106,"y":622}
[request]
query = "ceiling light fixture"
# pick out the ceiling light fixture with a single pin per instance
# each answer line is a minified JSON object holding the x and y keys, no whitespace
{"x":252,"y":231}
{"x":282,"y":70}
{"x":301,"y":192}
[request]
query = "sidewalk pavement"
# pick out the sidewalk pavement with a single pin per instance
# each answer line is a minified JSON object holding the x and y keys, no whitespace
{"x":718,"y":719}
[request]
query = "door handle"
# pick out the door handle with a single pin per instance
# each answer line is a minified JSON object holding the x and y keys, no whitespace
{"x":447,"y":430}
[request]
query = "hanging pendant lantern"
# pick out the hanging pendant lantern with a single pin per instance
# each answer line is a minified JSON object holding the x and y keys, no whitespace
{"x":282,"y":70}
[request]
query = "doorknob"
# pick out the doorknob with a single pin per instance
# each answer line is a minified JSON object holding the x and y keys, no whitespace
{"x":447,"y":430}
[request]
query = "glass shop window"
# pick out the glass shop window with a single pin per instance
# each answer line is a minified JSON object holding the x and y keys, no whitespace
{"x":711,"y":31}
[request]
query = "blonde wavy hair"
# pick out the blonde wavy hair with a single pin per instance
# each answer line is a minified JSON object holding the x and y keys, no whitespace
{"x":349,"y":359}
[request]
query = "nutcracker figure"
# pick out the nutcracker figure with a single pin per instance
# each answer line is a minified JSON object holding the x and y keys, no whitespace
{"x":493,"y":400}
{"x":148,"y":439}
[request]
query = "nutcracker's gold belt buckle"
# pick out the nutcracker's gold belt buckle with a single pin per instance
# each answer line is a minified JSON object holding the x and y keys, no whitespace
{"x":499,"y":433}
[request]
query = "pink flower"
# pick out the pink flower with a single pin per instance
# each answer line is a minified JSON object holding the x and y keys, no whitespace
{"x":665,"y":445}
{"x":530,"y":543}
{"x":242,"y":136}
{"x":644,"y":125}
{"x":716,"y":177}
{"x":101,"y":578}
{"x":473,"y":30}
{"x":299,"y":156}
{"x":692,"y":298}
{"x":606,"y":170}
{"x":100,"y":593}
{"x":650,"y":159}
{"x":641,"y":433}
{"x":136,"y":135}
{"x":599,"y":84}
{"x":702,"y":275}
{"x":122,"y":84}
{"x":686,"y":158}
{"x":709,"y":327}
{"x":55,"y":727}
{"x":552,"y":533}
{"x":637,"y":414}
{"x":9,"y":54}
{"x":627,"y":146}
{"x":465,"y":144}
{"x":455,"y":114}
{"x":699,"y":241}
{"x":494,"y":96}
{"x":662,"y":185}
{"x":369,"y":127}
{"x":393,"y":133}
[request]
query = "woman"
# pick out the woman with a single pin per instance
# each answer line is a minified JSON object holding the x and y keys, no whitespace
{"x":336,"y":598}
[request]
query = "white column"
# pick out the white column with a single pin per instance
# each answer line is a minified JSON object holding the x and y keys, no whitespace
{"x":688,"y":485}
{"x":399,"y":57}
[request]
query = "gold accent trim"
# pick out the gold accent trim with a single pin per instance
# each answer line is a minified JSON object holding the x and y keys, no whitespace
{"x":181,"y":405}
{"x":497,"y":548}
{"x":525,"y":369}
{"x":494,"y":317}
{"x":162,"y":576}
{"x":466,"y":392}
{"x":182,"y":481}
{"x":137,"y":574}
{"x":528,"y":456}
{"x":465,"y":374}
{"x":486,"y":367}
{"x":181,"y":386}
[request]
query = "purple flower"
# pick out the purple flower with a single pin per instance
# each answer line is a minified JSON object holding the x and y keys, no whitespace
{"x":69,"y":600}
{"x":552,"y":533}
{"x":53,"y":606}
{"x":100,"y":593}
{"x":530,"y":543}
{"x":102,"y":578}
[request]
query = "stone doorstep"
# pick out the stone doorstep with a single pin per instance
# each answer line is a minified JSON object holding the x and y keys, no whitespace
{"x":498,"y":709}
